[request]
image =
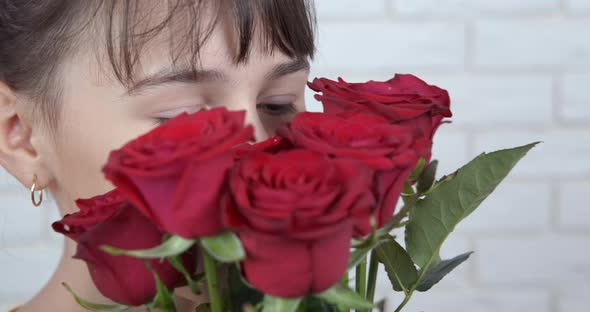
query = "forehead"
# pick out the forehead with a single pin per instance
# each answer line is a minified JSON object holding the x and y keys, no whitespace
{"x":202,"y":34}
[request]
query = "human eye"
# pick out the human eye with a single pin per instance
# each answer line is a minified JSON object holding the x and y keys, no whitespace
{"x":278,"y":105}
{"x":163,"y":116}
{"x":277,"y":109}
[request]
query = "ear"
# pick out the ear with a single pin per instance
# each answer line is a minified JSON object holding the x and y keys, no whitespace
{"x":17,"y":153}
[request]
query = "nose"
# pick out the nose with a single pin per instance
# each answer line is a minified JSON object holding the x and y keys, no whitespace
{"x":252,"y":116}
{"x":253,"y":119}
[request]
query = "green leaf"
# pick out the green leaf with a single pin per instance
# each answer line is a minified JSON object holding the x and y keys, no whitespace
{"x":311,"y":303}
{"x":428,"y":176}
{"x":194,"y":283}
{"x":435,"y":273}
{"x":172,"y":246}
{"x":441,"y":181}
{"x":435,"y":216}
{"x":225,"y":247}
{"x":275,"y":304}
{"x":164,"y":300}
{"x":94,"y":306}
{"x":240,"y":292}
{"x":399,"y":267}
{"x":418,"y":170}
{"x":341,"y":295}
{"x":357,"y":255}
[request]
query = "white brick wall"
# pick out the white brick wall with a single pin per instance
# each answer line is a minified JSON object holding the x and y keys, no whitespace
{"x":574,"y":213}
{"x":518,"y":71}
{"x":563,"y":153}
{"x":548,"y":260}
{"x":390,"y":45}
{"x":445,"y":8}
{"x":495,"y":99}
{"x":578,"y":4}
{"x":351,"y":9}
{"x":576,"y":104}
{"x":532,"y":43}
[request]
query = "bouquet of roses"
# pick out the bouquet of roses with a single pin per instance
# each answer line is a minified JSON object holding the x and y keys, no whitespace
{"x":286,"y":224}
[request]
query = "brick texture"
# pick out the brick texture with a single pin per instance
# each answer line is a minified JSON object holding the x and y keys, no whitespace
{"x":545,"y":43}
{"x":445,"y":8}
{"x":517,"y":71}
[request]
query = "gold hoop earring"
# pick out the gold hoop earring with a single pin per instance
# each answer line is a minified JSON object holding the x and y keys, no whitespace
{"x":36,"y":202}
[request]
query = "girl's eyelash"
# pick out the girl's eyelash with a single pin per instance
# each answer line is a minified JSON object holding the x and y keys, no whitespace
{"x":278,"y":109}
{"x":161,"y":120}
{"x":269,"y":108}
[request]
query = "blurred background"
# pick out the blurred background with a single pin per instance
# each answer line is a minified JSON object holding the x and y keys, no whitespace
{"x":517,"y":72}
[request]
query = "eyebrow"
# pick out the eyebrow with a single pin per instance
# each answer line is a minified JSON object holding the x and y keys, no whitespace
{"x":190,"y":75}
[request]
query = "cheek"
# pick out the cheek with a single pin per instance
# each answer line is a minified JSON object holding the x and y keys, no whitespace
{"x":86,"y":137}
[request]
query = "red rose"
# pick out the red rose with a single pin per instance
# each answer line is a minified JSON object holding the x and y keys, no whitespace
{"x":176,"y":174}
{"x":293,"y":209}
{"x":271,"y":145}
{"x":367,"y":137}
{"x":111,"y":220}
{"x":404,"y":99}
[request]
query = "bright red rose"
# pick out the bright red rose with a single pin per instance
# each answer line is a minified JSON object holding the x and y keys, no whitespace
{"x":364,"y":136}
{"x":111,"y":220}
{"x":290,"y":210}
{"x":176,"y":174}
{"x":404,"y":99}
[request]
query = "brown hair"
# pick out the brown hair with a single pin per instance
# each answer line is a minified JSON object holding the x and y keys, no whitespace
{"x":36,"y":36}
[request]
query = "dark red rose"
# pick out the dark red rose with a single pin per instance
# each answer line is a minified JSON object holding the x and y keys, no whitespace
{"x":111,"y":220}
{"x":293,"y":209}
{"x":271,"y":145}
{"x":404,"y":99}
{"x":385,"y":147}
{"x":176,"y":174}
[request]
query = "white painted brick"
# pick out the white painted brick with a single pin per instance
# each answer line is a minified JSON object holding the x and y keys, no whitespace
{"x":573,"y":204}
{"x":540,"y":260}
{"x":350,"y":8}
{"x":390,"y":46}
{"x":480,"y":100}
{"x":450,"y":149}
{"x":7,"y":180}
{"x":476,"y":300}
{"x":578,"y":4}
{"x":51,"y":214}
{"x":20,"y":222}
{"x":576,"y":98}
{"x":25,"y":270}
{"x":516,"y":206}
{"x":563,"y":153}
{"x":530,"y":43}
{"x":574,"y":299}
{"x":449,"y":8}
{"x":311,"y":104}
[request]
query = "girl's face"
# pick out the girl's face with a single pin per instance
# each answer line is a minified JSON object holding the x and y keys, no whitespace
{"x":99,"y":114}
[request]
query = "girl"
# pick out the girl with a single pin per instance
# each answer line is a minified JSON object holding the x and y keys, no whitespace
{"x":80,"y":78}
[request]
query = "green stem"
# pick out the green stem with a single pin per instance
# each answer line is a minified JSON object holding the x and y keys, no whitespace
{"x":406,"y":299}
{"x":401,"y":224}
{"x":372,"y":278}
{"x":361,"y":278}
{"x":212,"y":283}
{"x":344,"y":281}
